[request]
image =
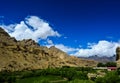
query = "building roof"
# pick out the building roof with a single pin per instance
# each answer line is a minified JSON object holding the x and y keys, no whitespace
{"x":112,"y":68}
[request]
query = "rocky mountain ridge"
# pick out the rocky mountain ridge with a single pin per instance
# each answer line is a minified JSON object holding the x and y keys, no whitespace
{"x":103,"y":59}
{"x":28,"y":55}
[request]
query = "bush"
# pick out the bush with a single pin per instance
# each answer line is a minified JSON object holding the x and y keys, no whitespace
{"x":111,"y":64}
{"x":101,"y":65}
{"x":110,"y":77}
{"x":108,"y":64}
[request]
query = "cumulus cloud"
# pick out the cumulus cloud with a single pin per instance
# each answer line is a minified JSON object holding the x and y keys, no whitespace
{"x":67,"y":49}
{"x":37,"y":29}
{"x":32,"y":27}
{"x":64,"y":48}
{"x":50,"y":42}
{"x":8,"y":28}
{"x":102,"y":48}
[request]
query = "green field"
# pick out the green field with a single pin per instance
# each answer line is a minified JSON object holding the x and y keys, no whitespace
{"x":51,"y":79}
{"x":43,"y":79}
{"x":59,"y":75}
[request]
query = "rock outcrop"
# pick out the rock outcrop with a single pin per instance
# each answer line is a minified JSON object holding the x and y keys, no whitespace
{"x":28,"y":55}
{"x":118,"y":56}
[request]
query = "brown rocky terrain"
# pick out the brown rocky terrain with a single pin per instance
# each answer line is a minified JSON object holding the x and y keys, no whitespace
{"x":118,"y":56}
{"x":28,"y":55}
{"x":103,"y":59}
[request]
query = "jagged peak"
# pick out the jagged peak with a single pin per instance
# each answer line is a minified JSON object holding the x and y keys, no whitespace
{"x":54,"y":48}
{"x":28,"y":42}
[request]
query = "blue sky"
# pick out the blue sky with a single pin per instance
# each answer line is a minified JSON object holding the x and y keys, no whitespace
{"x":81,"y":24}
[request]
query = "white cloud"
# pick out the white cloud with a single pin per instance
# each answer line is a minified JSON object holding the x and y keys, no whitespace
{"x":31,"y":28}
{"x":35,"y":28}
{"x":64,"y":48}
{"x":102,"y":48}
{"x":50,"y":42}
{"x":8,"y":28}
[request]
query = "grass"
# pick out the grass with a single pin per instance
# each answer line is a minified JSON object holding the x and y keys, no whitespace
{"x":81,"y":81}
{"x":41,"y":79}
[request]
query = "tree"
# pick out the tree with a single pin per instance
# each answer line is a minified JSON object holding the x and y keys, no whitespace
{"x":101,"y":65}
{"x":108,"y":64}
{"x":110,"y":77}
{"x":111,"y":64}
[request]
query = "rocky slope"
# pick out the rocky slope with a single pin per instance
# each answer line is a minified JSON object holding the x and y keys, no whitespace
{"x":103,"y":59}
{"x":28,"y":55}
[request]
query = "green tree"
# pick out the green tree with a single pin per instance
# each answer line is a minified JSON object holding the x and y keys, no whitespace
{"x":110,"y":77}
{"x":101,"y":65}
{"x":111,"y":64}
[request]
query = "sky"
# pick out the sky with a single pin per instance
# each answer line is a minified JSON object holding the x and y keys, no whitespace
{"x":78,"y":27}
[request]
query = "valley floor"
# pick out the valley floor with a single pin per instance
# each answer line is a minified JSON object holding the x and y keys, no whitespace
{"x":61,"y":75}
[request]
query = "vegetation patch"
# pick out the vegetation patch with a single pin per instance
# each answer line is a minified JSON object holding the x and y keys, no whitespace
{"x":60,"y":75}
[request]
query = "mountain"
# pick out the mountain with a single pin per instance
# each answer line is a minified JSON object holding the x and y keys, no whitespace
{"x":102,"y":59}
{"x":28,"y":55}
